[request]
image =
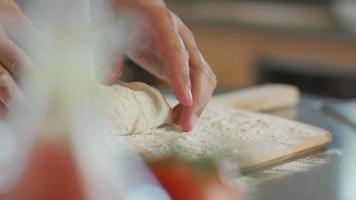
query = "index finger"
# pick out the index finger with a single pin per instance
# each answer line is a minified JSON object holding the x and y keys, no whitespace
{"x":203,"y":83}
{"x":170,"y":47}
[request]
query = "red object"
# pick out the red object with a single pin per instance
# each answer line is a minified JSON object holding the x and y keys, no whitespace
{"x":183,"y":181}
{"x":51,"y":174}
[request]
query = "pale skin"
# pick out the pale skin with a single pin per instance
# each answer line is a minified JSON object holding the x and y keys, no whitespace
{"x":170,"y":53}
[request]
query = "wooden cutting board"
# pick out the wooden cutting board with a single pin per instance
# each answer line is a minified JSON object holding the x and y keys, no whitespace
{"x":242,"y":138}
{"x":263,"y":98}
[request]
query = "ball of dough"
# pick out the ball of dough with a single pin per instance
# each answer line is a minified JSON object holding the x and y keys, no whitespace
{"x":133,"y":107}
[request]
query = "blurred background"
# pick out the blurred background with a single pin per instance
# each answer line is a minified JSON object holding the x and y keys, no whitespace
{"x":308,"y":43}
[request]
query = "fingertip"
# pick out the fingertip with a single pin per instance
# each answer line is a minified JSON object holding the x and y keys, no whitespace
{"x":188,"y":125}
{"x":187,"y":120}
{"x":181,"y":117}
{"x":187,"y":128}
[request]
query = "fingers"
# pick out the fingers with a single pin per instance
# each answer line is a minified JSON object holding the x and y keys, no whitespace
{"x":14,"y":21}
{"x":190,"y":75}
{"x":203,"y":87}
{"x":203,"y":84}
{"x":9,"y":56}
{"x":6,"y":85}
{"x":12,"y":58}
{"x":15,"y":24}
{"x":150,"y":61}
{"x":9,"y":90}
{"x":10,"y":13}
{"x":170,"y":47}
{"x":8,"y":7}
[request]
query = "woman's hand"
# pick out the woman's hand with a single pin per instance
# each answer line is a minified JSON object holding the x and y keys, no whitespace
{"x":168,"y":50}
{"x":11,"y":56}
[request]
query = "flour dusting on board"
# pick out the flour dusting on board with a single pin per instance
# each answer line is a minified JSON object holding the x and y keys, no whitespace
{"x":251,"y":139}
{"x":300,"y":165}
{"x":248,"y":184}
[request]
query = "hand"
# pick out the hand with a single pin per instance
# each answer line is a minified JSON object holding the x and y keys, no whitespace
{"x":12,"y":58}
{"x":168,"y":50}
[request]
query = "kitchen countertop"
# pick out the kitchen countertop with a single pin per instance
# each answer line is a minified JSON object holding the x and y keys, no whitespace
{"x":327,"y":174}
{"x":311,"y":19}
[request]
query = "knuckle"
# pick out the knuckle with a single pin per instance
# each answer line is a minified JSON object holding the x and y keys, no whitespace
{"x":4,"y":84}
{"x":178,"y":47}
{"x":175,"y":50}
{"x":4,"y":77}
{"x":210,"y":73}
{"x":185,"y":53}
{"x":9,"y":59}
{"x":189,"y":32}
{"x":11,"y":62}
{"x":186,"y":30}
{"x":168,"y":16}
{"x":195,"y":48}
{"x":166,"y":13}
{"x":210,"y":76}
{"x":213,"y":79}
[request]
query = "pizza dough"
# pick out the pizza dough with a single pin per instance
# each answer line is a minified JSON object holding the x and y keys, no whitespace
{"x":132,"y":107}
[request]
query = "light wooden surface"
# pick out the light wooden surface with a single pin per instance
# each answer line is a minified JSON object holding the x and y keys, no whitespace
{"x":263,"y":98}
{"x":243,"y":139}
{"x":304,"y":148}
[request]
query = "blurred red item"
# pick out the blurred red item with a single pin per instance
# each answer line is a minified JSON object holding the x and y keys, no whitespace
{"x":51,"y":174}
{"x":183,"y":181}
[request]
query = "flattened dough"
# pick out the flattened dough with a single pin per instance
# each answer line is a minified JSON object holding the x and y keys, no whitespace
{"x":133,"y":107}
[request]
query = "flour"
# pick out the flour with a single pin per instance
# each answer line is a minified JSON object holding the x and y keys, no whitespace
{"x":300,"y":165}
{"x":248,"y":184}
{"x":244,"y":138}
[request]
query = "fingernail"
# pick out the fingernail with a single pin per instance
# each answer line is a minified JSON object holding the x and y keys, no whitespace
{"x":190,"y":96}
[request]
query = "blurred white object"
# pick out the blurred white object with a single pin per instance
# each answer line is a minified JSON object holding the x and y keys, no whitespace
{"x":67,"y":47}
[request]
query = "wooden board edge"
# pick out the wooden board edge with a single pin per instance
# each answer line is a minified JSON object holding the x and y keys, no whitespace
{"x":301,"y":150}
{"x":261,"y":95}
